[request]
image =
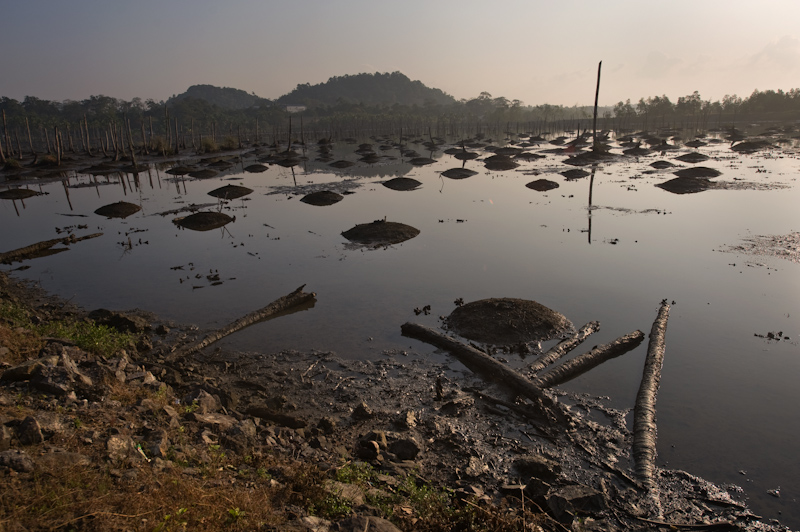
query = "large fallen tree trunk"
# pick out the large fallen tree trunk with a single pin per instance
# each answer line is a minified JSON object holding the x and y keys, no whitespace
{"x":583,"y":363}
{"x":563,"y":347}
{"x":34,"y":250}
{"x":296,"y":298}
{"x":644,"y":412}
{"x":490,"y":369}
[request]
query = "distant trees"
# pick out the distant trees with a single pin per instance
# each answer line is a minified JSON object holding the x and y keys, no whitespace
{"x":692,"y":110}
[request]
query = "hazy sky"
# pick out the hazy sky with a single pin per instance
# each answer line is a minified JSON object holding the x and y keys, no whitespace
{"x":535,"y":51}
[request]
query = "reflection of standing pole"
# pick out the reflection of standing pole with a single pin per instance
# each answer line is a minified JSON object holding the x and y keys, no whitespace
{"x":589,"y":210}
{"x":66,"y":191}
{"x":596,"y":95}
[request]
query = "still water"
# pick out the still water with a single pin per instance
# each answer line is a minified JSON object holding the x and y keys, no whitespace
{"x":728,"y":403}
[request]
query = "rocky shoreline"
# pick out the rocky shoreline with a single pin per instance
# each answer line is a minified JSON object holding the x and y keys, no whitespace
{"x":246,"y":423}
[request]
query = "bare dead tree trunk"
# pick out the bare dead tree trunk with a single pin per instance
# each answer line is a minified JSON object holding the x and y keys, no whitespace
{"x":130,"y":142}
{"x":8,"y":138}
{"x":644,"y":412}
{"x":56,"y":141}
{"x":47,"y":139}
{"x":2,"y":154}
{"x":596,"y":96}
{"x":298,"y":297}
{"x":491,"y":369}
{"x":583,"y":363}
{"x":144,"y":140}
{"x":563,"y":347}
{"x":30,"y":139}
{"x":88,"y":139}
{"x":69,"y":138}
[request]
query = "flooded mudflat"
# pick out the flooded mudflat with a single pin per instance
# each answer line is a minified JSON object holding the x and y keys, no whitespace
{"x":607,"y":246}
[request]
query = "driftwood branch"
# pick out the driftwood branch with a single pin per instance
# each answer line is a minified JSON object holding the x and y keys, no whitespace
{"x":563,"y":347}
{"x":298,"y":297}
{"x":490,"y":369}
{"x":644,"y":412}
{"x":583,"y":363}
{"x":34,"y":250}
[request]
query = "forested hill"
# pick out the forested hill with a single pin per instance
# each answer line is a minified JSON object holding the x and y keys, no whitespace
{"x":370,"y":89}
{"x":223,"y":97}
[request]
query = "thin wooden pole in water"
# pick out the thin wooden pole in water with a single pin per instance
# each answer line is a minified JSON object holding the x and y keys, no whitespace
{"x":8,"y":138}
{"x":596,"y":96}
{"x":88,"y":140}
{"x":30,"y":139}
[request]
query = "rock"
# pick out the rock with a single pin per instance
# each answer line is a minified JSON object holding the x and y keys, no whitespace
{"x":204,"y":401}
{"x":408,"y":420}
{"x":476,"y":467}
{"x":29,"y":432}
{"x":279,"y":419}
{"x":378,"y":436}
{"x":349,"y":492}
{"x":120,"y":321}
{"x":362,"y":412}
{"x":158,"y":444}
{"x":313,"y":524}
{"x":213,"y":420}
{"x":122,"y":448}
{"x":567,"y":501}
{"x":326,"y":425}
{"x":368,"y":450}
{"x":5,"y":438}
{"x":53,"y":380}
{"x":360,"y":523}
{"x":539,"y":467}
{"x":16,"y":460}
{"x":405,"y":449}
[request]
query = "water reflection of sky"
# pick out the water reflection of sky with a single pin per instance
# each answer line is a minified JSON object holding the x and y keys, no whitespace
{"x":728,"y":400}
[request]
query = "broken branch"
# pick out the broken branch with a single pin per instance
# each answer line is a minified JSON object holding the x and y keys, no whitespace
{"x":563,"y":347}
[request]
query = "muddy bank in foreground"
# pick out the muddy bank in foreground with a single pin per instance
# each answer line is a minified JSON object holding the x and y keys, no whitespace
{"x":219,"y":425}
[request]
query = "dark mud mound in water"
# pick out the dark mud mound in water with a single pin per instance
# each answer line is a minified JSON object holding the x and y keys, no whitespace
{"x":255,"y":168}
{"x":507,"y":321}
{"x":323,"y":198}
{"x":542,"y":185}
{"x":696,"y":144}
{"x":575,"y":173}
{"x":421,"y":161}
{"x":529,"y":156}
{"x":751,"y":146}
{"x":229,"y":192}
{"x":402,"y":183}
{"x":465,"y":155}
{"x":698,"y":172}
{"x":686,"y":185}
{"x":500,"y":163}
{"x":341,"y":164}
{"x":18,"y":193}
{"x":637,"y":151}
{"x":459,"y":173}
{"x":121,"y":209}
{"x":661,"y":165}
{"x":380,"y":233}
{"x":203,"y":221}
{"x":692,"y":157}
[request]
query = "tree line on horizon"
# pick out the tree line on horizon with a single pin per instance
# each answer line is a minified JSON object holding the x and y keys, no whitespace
{"x":396,"y":101}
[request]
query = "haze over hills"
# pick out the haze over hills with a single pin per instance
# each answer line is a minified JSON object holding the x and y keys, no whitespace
{"x":379,"y":89}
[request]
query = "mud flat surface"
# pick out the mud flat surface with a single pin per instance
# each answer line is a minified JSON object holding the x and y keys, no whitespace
{"x":402,"y":413}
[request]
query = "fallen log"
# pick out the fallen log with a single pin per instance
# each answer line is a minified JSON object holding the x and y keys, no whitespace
{"x":583,"y":363}
{"x":34,"y":250}
{"x":644,"y":412}
{"x":563,"y":347}
{"x":298,"y":297}
{"x":490,"y":369}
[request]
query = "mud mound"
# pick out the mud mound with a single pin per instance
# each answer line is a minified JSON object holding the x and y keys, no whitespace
{"x":500,"y":163}
{"x":507,"y":321}
{"x":102,"y":169}
{"x":255,"y":168}
{"x":323,"y":198}
{"x":288,"y":162}
{"x":380,"y":233}
{"x":459,"y":173}
{"x":121,"y":209}
{"x":203,"y":221}
{"x":402,"y":183}
{"x":575,"y":173}
{"x":421,"y":161}
{"x":18,"y":193}
{"x":508,"y":151}
{"x":206,"y":173}
{"x":692,"y":157}
{"x":221,"y":164}
{"x":230,"y":192}
{"x":465,"y":155}
{"x":751,"y":146}
{"x":696,"y":144}
{"x":529,"y":156}
{"x":698,"y":172}
{"x":638,"y":151}
{"x":661,"y":165}
{"x":686,"y":185}
{"x":542,"y":185}
{"x":341,"y":164}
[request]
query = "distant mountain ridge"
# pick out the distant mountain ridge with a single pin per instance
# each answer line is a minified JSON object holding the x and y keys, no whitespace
{"x":224,"y":97}
{"x":384,"y":89}
{"x":378,"y":89}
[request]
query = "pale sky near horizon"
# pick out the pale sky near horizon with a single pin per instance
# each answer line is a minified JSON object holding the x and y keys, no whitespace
{"x":535,"y":51}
